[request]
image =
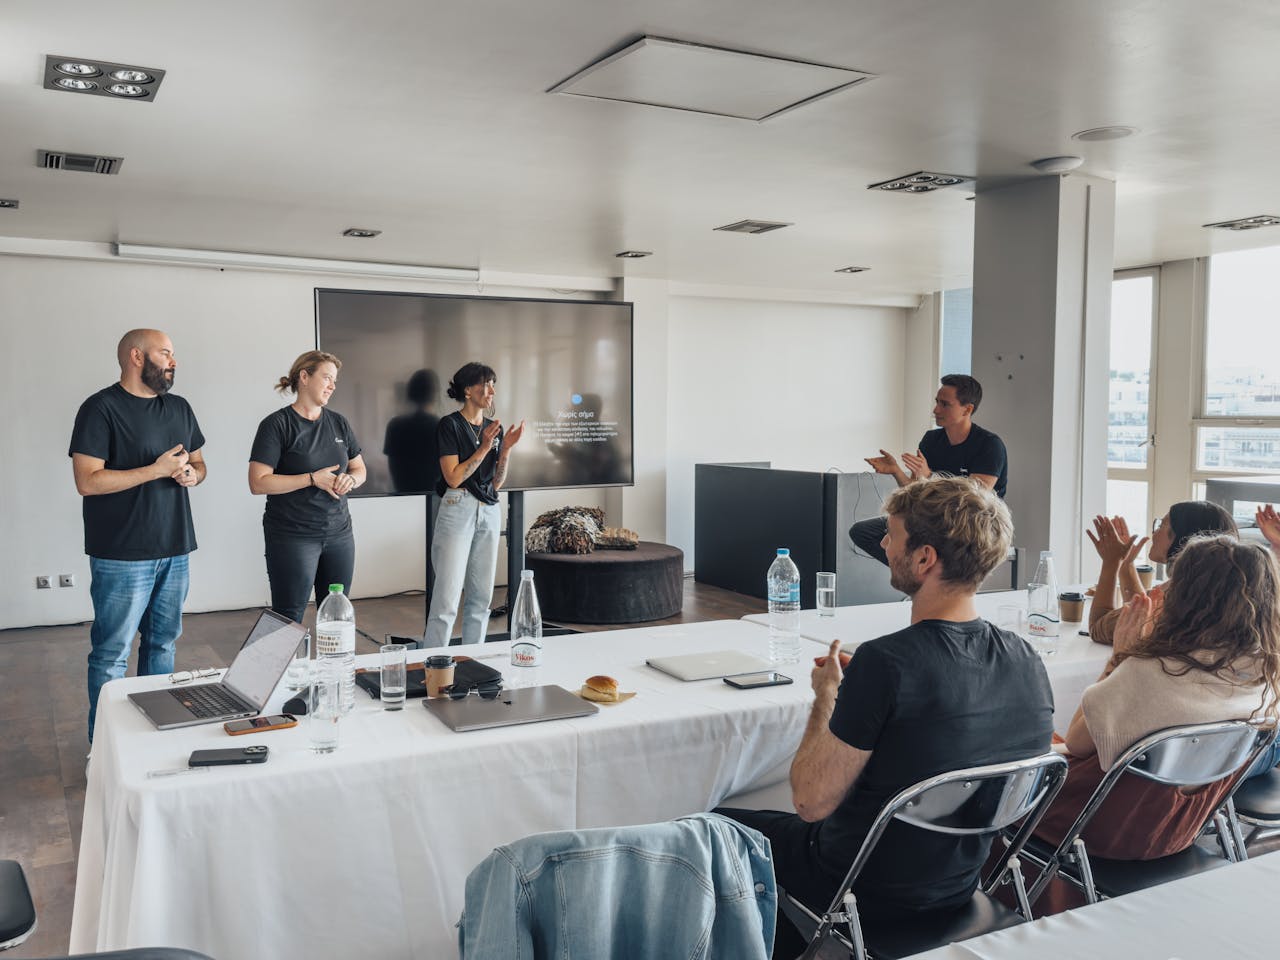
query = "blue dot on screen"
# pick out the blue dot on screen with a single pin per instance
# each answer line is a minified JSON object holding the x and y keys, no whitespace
{"x":577,"y":398}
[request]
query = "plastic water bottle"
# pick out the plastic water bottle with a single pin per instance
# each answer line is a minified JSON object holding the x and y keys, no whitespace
{"x":1042,"y":605}
{"x":336,"y":641}
{"x":784,"y":609}
{"x":526,"y":632}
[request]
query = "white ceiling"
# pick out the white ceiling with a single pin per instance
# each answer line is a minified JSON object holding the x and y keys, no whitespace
{"x":282,"y":122}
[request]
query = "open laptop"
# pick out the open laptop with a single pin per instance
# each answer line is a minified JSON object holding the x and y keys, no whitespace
{"x":510,"y":707}
{"x":243,"y":690}
{"x":709,"y":666}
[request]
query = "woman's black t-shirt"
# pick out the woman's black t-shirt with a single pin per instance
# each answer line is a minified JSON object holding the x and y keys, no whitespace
{"x":290,"y":444}
{"x":460,"y":439}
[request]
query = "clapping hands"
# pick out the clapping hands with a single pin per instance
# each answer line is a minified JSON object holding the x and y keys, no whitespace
{"x":1269,"y":525}
{"x":1113,"y":541}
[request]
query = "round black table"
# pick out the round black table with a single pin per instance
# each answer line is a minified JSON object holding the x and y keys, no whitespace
{"x":610,"y":586}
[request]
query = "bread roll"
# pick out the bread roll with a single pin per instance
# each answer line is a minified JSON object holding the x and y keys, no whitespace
{"x":601,"y":689}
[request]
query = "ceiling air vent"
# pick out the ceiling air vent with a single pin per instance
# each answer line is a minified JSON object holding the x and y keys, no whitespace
{"x":754,"y":226}
{"x":80,"y":162}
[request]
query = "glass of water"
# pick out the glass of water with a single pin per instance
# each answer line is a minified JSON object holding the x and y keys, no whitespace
{"x":392,"y":680}
{"x":325,"y":707}
{"x":826,"y":594}
{"x":298,"y":676}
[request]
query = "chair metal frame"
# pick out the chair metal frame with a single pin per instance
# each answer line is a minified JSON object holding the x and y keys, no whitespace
{"x":945,"y":804}
{"x":1175,"y":756}
{"x":1261,"y":826}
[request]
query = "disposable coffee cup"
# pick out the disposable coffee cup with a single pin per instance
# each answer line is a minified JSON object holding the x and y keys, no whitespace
{"x":439,"y":674}
{"x":1071,"y":607}
{"x":1146,"y":573}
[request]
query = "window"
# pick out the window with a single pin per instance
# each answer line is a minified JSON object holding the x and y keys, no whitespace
{"x":1129,"y":414}
{"x":957,"y":331}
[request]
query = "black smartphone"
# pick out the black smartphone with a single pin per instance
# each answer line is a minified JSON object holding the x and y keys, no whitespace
{"x":218,"y":758}
{"x":281,"y":721}
{"x":749,"y":681}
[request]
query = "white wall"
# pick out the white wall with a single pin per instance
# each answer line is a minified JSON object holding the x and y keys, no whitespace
{"x":234,"y":333}
{"x":808,"y":386}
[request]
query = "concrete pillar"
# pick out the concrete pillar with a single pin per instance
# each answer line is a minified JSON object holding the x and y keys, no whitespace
{"x":1043,"y":262}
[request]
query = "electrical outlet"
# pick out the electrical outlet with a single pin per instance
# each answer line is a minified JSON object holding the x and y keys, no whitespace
{"x":66,"y":580}
{"x":44,"y":583}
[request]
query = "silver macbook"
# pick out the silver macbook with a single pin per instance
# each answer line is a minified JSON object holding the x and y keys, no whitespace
{"x":243,"y":690}
{"x":510,"y":707}
{"x":709,"y":666}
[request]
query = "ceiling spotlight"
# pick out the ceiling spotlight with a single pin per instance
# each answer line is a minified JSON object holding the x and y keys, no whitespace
{"x":8,"y":204}
{"x":127,"y":90}
{"x":1057,"y":164}
{"x":1098,"y":134}
{"x":1247,"y":223}
{"x":77,"y":69}
{"x":362,"y":232}
{"x":853,"y":269}
{"x":131,"y":76}
{"x":71,"y":83}
{"x":634,"y":254}
{"x":922,"y":181}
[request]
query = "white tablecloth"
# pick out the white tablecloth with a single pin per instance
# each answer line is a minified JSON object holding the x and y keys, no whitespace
{"x":363,"y":853}
{"x":1076,"y":664}
{"x":1220,"y":914}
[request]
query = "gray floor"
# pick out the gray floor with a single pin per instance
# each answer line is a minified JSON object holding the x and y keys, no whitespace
{"x":43,"y":711}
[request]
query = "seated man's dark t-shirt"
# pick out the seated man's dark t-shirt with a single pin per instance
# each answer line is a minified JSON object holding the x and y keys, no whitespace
{"x":982,"y":452}
{"x":935,"y":697}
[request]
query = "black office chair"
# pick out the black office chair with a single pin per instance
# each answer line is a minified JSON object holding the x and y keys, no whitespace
{"x":975,"y":801}
{"x":1186,"y":756}
{"x":1257,"y":803}
{"x":18,"y":922}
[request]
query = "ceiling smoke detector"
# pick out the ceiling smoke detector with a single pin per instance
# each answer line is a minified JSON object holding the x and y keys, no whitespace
{"x":922,"y":181}
{"x":364,"y":233}
{"x":1057,"y":164}
{"x":117,"y":81}
{"x":1247,"y":223}
{"x":754,"y":226}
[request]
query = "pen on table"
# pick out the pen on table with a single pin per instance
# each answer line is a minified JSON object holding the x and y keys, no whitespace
{"x":176,"y":771}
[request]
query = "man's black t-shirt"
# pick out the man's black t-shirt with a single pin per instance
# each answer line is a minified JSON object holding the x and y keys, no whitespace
{"x":290,"y":445}
{"x":461,"y":439}
{"x":981,"y":452}
{"x":934,"y":697}
{"x":152,"y":520}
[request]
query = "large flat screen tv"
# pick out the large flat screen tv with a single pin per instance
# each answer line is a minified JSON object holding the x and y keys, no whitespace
{"x":563,"y":366}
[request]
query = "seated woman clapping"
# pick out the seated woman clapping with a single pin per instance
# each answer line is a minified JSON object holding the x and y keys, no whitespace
{"x":1210,"y":653}
{"x":1118,"y":550}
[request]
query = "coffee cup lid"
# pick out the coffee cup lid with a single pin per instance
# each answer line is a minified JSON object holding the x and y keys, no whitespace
{"x":1071,"y":595}
{"x":439,"y":662}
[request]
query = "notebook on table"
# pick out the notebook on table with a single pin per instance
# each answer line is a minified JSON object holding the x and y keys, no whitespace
{"x":509,"y":708}
{"x":243,"y":690}
{"x":709,"y":666}
{"x":466,"y":671}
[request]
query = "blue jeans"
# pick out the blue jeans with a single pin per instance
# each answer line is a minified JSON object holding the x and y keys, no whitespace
{"x":464,"y":554}
{"x":132,"y":596}
{"x":1267,"y":760}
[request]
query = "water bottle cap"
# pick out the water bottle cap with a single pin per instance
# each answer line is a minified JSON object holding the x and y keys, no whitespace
{"x":526,"y":574}
{"x":784,"y":552}
{"x":335,"y":588}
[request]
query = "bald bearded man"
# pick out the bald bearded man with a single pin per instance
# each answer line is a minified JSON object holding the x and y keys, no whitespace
{"x":135,"y":451}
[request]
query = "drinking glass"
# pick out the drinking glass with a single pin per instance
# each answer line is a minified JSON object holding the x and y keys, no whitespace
{"x":392,"y":680}
{"x":826,"y":594}
{"x":325,"y":709}
{"x":299,"y":673}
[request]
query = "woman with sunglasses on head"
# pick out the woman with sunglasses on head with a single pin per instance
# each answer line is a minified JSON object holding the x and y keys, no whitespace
{"x":1118,"y":550}
{"x":464,"y":544}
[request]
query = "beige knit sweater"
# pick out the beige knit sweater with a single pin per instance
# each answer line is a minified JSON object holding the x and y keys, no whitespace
{"x":1140,"y":698}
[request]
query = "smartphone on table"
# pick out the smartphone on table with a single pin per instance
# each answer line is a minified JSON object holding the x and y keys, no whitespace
{"x":749,"y":681}
{"x":231,"y":755}
{"x":281,"y":721}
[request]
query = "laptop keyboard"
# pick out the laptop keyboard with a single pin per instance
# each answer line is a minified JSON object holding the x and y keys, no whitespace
{"x":207,"y":700}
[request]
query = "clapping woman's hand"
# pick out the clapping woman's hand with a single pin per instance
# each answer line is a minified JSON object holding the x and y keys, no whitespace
{"x":1111,"y":544}
{"x":1269,"y":525}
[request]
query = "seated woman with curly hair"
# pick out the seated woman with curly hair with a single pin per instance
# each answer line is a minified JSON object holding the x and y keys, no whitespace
{"x":1211,"y":653}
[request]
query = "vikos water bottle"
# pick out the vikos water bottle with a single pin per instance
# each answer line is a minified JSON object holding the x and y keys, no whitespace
{"x":783,"y":583}
{"x":526,"y":625}
{"x":336,"y":641}
{"x":1042,"y":604}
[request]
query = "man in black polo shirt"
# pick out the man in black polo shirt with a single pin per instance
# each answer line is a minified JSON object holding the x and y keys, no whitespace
{"x":949,"y":691}
{"x":135,"y":451}
{"x":958,"y":447}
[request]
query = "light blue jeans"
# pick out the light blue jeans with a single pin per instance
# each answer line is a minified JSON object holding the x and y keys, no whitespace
{"x":132,"y":596}
{"x":464,"y":553}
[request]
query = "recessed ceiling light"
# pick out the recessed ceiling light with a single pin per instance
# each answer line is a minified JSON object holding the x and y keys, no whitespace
{"x":361,"y":232}
{"x":124,"y":81}
{"x":8,"y":204}
{"x":1097,"y":134}
{"x":77,"y":69}
{"x":853,"y":270}
{"x":922,"y":181}
{"x":1247,"y":223}
{"x":634,"y":254}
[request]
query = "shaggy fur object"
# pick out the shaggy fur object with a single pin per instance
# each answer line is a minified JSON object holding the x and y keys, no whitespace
{"x":567,"y":530}
{"x":617,"y":538}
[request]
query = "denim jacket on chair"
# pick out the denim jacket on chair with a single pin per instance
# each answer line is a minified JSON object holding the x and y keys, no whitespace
{"x":700,"y":888}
